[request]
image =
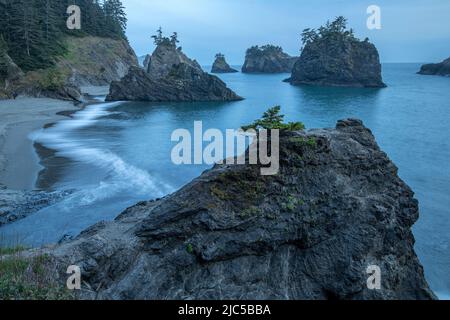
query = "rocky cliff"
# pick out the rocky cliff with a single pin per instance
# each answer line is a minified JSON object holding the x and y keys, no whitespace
{"x":336,"y":207}
{"x":268,"y":59}
{"x":90,"y":61}
{"x":333,"y":56}
{"x":436,"y":69}
{"x":220,"y":65}
{"x":169,"y":75}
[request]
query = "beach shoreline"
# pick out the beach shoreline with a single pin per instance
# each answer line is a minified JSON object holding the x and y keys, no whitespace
{"x":19,"y":161}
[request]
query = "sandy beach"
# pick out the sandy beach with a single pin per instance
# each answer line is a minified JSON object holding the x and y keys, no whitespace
{"x":19,"y":163}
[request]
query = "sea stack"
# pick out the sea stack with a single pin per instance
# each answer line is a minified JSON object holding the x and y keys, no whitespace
{"x":336,"y":209}
{"x":436,"y":69}
{"x":169,"y":75}
{"x":332,"y":56}
{"x":268,"y":59}
{"x":221,"y":66}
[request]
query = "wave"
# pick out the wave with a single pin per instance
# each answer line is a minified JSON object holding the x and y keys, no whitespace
{"x":121,"y":175}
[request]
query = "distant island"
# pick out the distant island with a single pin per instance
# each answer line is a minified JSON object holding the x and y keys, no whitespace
{"x":436,"y":69}
{"x":268,"y":59}
{"x":169,"y":75}
{"x":221,"y":66}
{"x":333,"y":56}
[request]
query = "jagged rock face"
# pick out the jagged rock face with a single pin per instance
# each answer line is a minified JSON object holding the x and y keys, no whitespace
{"x":436,"y":69}
{"x":221,"y":66}
{"x":170,"y":76}
{"x":336,"y":207}
{"x":338,"y":62}
{"x":183,"y":83}
{"x":268,"y":59}
{"x":165,"y":57}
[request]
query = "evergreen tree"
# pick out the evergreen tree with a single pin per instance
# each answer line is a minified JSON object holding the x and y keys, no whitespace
{"x":34,"y":29}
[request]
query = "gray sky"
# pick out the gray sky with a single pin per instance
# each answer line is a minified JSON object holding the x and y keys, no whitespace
{"x":412,"y":30}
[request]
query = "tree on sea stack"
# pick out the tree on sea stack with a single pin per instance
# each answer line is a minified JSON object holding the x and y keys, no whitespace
{"x":273,"y":120}
{"x":332,"y":56}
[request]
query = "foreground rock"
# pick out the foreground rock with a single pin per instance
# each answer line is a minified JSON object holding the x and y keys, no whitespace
{"x":336,"y":207}
{"x":221,"y":66}
{"x":268,"y":59}
{"x":169,"y":75}
{"x":334,"y":57}
{"x":436,"y":69}
{"x":16,"y":205}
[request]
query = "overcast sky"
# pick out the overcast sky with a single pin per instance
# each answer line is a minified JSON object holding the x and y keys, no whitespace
{"x":412,"y":30}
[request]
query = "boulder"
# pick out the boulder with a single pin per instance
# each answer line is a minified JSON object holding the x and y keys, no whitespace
{"x":336,"y":209}
{"x":436,"y":69}
{"x":268,"y":59}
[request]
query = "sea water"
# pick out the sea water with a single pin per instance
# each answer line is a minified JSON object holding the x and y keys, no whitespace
{"x":117,"y":154}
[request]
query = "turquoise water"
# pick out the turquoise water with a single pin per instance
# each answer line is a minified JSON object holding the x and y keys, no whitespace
{"x":120,"y":153}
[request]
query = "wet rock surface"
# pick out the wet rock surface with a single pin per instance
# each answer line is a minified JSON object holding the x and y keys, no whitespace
{"x":336,"y":207}
{"x":16,"y":205}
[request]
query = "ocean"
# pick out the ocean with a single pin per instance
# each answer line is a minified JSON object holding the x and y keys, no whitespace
{"x":113,"y":155}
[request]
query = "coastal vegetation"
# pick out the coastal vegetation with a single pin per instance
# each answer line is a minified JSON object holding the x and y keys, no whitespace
{"x":272,"y":120}
{"x":29,"y":277}
{"x":34,"y":31}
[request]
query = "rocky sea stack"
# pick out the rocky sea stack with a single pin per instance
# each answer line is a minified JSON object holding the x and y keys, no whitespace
{"x":268,"y":59}
{"x":332,"y":56}
{"x":221,"y":66}
{"x":169,"y":75}
{"x":436,"y":69}
{"x":336,"y":208}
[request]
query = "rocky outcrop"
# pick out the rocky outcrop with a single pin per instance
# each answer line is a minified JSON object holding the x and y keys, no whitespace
{"x":333,"y":56}
{"x":90,"y":61}
{"x":436,"y":69}
{"x":165,"y":57}
{"x":16,"y":205}
{"x":95,"y":61}
{"x":221,"y":66}
{"x":183,"y":83}
{"x":336,"y":207}
{"x":170,"y":76}
{"x":268,"y":59}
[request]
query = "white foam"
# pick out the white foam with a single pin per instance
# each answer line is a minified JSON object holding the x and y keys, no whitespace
{"x":121,"y":176}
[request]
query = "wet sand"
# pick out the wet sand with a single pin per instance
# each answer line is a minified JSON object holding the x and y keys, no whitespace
{"x":19,"y":163}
